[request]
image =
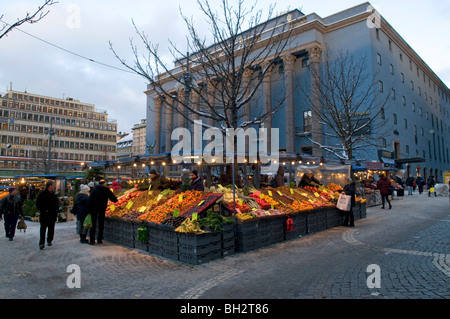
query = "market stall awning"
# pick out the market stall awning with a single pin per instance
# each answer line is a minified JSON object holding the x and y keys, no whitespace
{"x":388,"y":161}
{"x":410,"y":160}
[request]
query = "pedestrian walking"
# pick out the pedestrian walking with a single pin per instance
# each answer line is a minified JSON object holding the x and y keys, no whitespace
{"x":410,"y":184}
{"x":350,"y":189}
{"x":98,"y":201}
{"x":385,"y":190}
{"x":11,"y":210}
{"x":420,"y":183}
{"x":48,"y":207}
{"x":80,"y":210}
{"x":431,"y":183}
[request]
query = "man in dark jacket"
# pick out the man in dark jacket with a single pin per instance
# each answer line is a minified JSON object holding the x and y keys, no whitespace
{"x":196,"y":183}
{"x":48,"y":206}
{"x":158,"y":181}
{"x":279,"y":177}
{"x":420,"y":182}
{"x":350,"y":189}
{"x":98,"y":201}
{"x":385,"y":188}
{"x":410,"y":184}
{"x":308,"y":179}
{"x":11,"y":210}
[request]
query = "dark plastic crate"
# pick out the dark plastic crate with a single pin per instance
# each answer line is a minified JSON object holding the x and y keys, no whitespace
{"x":193,"y":259}
{"x":194,"y":239}
{"x":228,"y":251}
{"x":193,"y":249}
{"x":141,"y":246}
{"x":228,"y":234}
{"x":230,"y":242}
{"x":215,"y":254}
{"x":169,"y":236}
{"x":156,"y":250}
{"x":170,"y":253}
{"x":215,"y":236}
{"x":227,"y":227}
{"x":128,"y":242}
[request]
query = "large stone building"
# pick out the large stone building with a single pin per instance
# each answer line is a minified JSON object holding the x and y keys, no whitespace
{"x":416,"y":132}
{"x":81,"y":134}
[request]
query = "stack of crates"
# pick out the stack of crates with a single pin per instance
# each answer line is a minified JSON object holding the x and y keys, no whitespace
{"x":228,"y":240}
{"x":299,"y":226}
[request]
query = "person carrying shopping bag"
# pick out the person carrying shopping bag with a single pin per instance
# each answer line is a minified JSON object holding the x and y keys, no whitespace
{"x":80,"y":210}
{"x":11,"y":210}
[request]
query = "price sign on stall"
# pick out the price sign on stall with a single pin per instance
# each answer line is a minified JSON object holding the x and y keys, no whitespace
{"x":130,"y":203}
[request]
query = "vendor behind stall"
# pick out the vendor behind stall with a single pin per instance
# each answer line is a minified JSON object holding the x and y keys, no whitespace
{"x":158,"y":181}
{"x":308,"y":179}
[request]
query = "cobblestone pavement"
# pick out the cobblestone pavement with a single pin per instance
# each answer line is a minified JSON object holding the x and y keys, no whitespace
{"x":410,"y":244}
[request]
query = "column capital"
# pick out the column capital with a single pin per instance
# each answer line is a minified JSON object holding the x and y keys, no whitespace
{"x":158,"y":99}
{"x":314,"y":53}
{"x":288,"y":60}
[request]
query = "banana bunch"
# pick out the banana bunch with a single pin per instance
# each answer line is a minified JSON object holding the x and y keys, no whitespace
{"x":244,"y":216}
{"x":189,"y":226}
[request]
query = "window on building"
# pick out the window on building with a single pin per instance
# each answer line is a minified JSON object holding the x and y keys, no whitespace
{"x":380,"y":86}
{"x":406,"y":124}
{"x":379,"y":59}
{"x":391,"y":69}
{"x":307,"y":121}
{"x":395,"y":118}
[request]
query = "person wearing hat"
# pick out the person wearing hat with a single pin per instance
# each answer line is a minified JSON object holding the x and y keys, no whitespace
{"x":308,"y":179}
{"x":91,"y":185}
{"x":11,"y":209}
{"x":196,"y":183}
{"x":158,"y":181}
{"x":98,"y":201}
{"x":80,"y":210}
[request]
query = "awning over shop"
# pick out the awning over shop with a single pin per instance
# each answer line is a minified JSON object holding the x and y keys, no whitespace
{"x":410,"y":160}
{"x":388,"y":161}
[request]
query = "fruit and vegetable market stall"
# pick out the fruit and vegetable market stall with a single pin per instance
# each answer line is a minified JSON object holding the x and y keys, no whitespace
{"x":196,"y":227}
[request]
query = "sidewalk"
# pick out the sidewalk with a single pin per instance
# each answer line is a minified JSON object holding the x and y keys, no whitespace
{"x":411,"y":238}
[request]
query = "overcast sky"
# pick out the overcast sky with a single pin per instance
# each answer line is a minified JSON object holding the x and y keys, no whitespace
{"x":85,"y":28}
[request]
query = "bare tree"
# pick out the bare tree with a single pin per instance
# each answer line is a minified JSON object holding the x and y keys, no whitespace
{"x":38,"y":15}
{"x":224,"y":75}
{"x":351,"y":105}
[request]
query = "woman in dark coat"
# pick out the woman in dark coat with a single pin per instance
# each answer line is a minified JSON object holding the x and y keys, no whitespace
{"x":80,"y":210}
{"x":350,"y":189}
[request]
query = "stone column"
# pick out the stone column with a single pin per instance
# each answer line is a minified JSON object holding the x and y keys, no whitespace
{"x":314,"y":62}
{"x":157,"y":128}
{"x":180,"y":122}
{"x":267,"y":103}
{"x":169,"y":122}
{"x":211,"y":101}
{"x":288,"y":60}
{"x":247,"y":77}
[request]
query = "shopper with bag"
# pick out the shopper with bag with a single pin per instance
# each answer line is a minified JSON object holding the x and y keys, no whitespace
{"x":48,"y":206}
{"x":350,"y":190}
{"x":80,"y":210}
{"x":385,"y":190}
{"x":98,"y":201}
{"x":431,"y":183}
{"x":11,"y":210}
